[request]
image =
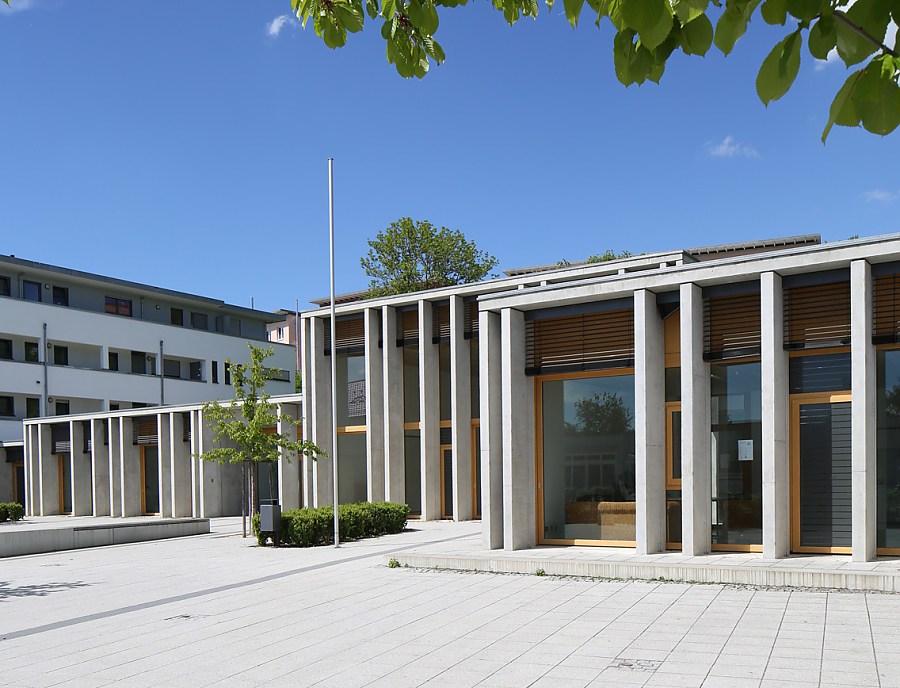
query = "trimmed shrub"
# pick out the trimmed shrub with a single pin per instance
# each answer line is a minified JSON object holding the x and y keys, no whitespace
{"x":11,"y":512}
{"x":310,"y":527}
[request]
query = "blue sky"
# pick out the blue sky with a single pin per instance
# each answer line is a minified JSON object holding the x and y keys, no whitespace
{"x":185,"y":145}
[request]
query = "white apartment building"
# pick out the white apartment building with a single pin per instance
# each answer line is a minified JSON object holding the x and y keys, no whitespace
{"x":73,"y":342}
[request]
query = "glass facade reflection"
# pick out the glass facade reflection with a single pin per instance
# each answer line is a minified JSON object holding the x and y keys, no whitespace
{"x":588,"y":458}
{"x":888,"y":448}
{"x":736,"y":415}
{"x":352,"y":468}
{"x":350,"y":374}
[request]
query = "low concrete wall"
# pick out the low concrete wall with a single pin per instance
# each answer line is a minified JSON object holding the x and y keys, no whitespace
{"x":38,"y":540}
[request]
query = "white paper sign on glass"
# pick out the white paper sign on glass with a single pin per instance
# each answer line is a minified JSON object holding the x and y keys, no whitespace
{"x":745,"y":450}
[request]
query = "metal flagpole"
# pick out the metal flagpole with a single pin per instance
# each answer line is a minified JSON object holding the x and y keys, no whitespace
{"x":334,"y":456}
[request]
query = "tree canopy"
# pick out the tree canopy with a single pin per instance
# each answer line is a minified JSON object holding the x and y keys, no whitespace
{"x":649,"y":31}
{"x":414,"y":255}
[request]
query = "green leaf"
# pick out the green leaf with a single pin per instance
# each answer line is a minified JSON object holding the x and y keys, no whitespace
{"x":822,"y":38}
{"x":843,"y":110}
{"x":372,"y":8}
{"x":652,"y":19}
{"x":733,"y":23}
{"x":616,"y":16}
{"x":774,"y":11}
{"x":334,"y":34}
{"x":805,"y":10}
{"x":697,"y":36}
{"x":668,"y":46}
{"x":423,"y":15}
{"x":688,"y":10}
{"x":877,"y":97}
{"x":633,"y":62}
{"x":351,"y":17}
{"x":779,"y":69}
{"x":388,"y":9}
{"x":870,"y":15}
{"x":433,"y":49}
{"x":549,"y":5}
{"x":573,"y":10}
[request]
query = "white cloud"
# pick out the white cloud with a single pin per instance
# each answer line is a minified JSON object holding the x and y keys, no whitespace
{"x":278,"y":23}
{"x":728,"y":148}
{"x":880,"y":195}
{"x":15,"y":6}
{"x":832,"y":58}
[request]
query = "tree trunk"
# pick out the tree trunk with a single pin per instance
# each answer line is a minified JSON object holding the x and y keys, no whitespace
{"x":254,"y":486}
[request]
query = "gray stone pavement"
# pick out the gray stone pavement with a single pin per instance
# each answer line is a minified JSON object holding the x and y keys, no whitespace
{"x":214,"y":610}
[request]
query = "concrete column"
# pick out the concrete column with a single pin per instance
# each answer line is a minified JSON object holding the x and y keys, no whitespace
{"x":394,"y":445}
{"x":180,"y":469}
{"x":460,"y":412}
{"x":374,"y":408}
{"x":114,"y":454}
{"x":48,"y":473}
{"x":695,"y":427}
{"x":519,"y":514}
{"x":863,"y":418}
{"x":289,"y":464}
{"x":99,"y":469}
{"x":776,"y":467}
{"x":306,"y":410}
{"x":82,"y":497}
{"x":164,"y":455}
{"x":130,"y":458}
{"x":206,"y":470}
{"x":649,"y":425}
{"x":32,"y":500}
{"x":321,"y":399}
{"x":491,"y":380}
{"x":104,"y":357}
{"x":195,"y":463}
{"x":429,"y":415}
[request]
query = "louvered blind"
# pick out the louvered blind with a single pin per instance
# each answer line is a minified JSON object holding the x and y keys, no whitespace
{"x":470,"y":317}
{"x":886,"y":310}
{"x":592,"y":341}
{"x":817,"y":316}
{"x":59,"y":439}
{"x":349,"y":336}
{"x":440,"y":319}
{"x":143,"y":431}
{"x":86,"y":439}
{"x":407,"y":327}
{"x":185,"y":426}
{"x":732,"y":327}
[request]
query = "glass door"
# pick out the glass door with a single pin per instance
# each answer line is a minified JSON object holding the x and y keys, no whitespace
{"x":446,"y":481}
{"x":65,"y":483}
{"x":149,"y":479}
{"x":673,"y":475}
{"x":821,"y":473}
{"x":476,"y":469}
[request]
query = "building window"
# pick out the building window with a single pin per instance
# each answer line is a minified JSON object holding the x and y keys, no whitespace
{"x":60,"y":296}
{"x":171,"y":368}
{"x":177,"y":316}
{"x":62,"y":408}
{"x":7,"y":407}
{"x":31,"y":291}
{"x":61,"y":355}
{"x":199,"y":321}
{"x":280,"y":333}
{"x":195,"y":371}
{"x":227,"y":373}
{"x":215,"y":372}
{"x":32,"y":408}
{"x":113,"y":360}
{"x":118,"y":306}
{"x":234,"y":327}
{"x":138,"y":362}
{"x":4,"y":286}
{"x":32,"y":352}
{"x":113,"y":407}
{"x":6,"y":349}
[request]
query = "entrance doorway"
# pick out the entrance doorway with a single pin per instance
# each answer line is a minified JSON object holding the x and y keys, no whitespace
{"x":65,"y":483}
{"x":446,"y":481}
{"x":18,"y":475}
{"x":673,"y":475}
{"x":149,"y":480}
{"x":821,"y":491}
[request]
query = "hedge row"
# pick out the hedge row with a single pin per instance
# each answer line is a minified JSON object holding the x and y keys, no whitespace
{"x":309,"y":527}
{"x":11,"y":512}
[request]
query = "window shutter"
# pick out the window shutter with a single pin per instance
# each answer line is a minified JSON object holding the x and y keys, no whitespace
{"x":817,"y":316}
{"x":732,"y":327}
{"x":440,"y":317}
{"x":144,"y":430}
{"x":592,"y":341}
{"x":886,"y":310}
{"x":349,"y":336}
{"x":470,"y":316}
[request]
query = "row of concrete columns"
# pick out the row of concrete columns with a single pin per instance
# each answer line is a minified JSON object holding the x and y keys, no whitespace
{"x":509,"y":509}
{"x":385,"y":433}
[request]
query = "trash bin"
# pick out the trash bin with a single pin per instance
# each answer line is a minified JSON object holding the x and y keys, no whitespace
{"x":270,"y":520}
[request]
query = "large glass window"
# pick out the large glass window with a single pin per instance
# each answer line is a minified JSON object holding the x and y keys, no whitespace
{"x":411,"y":384}
{"x":588,"y":458}
{"x":888,"y":448}
{"x":736,"y":416}
{"x":444,"y":379}
{"x":473,"y":372}
{"x":413,"y":471}
{"x":352,"y":468}
{"x":350,"y":370}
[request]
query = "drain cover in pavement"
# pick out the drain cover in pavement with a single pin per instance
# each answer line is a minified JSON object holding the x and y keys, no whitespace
{"x":635,"y":664}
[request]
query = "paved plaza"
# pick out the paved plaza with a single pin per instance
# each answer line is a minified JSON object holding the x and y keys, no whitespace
{"x":215,"y":610}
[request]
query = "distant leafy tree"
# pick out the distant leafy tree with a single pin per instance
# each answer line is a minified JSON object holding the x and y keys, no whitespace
{"x":245,"y":427}
{"x":599,"y":258}
{"x":650,"y":31}
{"x":411,"y":256}
{"x":602,"y":414}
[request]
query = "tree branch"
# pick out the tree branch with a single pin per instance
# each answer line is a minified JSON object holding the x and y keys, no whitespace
{"x":862,"y":32}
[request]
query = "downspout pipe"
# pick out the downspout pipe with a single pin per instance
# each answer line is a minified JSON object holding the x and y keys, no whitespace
{"x":162,"y":377}
{"x":44,"y":353}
